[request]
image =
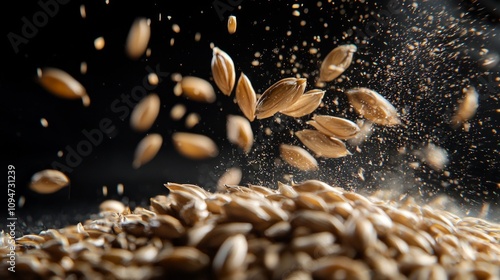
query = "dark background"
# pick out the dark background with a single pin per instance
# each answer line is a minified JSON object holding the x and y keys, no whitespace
{"x":426,"y":87}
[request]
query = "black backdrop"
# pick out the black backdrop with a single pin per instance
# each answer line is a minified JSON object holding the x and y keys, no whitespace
{"x":65,"y":40}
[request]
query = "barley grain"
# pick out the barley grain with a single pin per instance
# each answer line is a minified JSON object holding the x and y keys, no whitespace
{"x":335,"y":127}
{"x":336,"y":62}
{"x":232,"y":176}
{"x":467,"y":107}
{"x":147,"y":149}
{"x":99,"y":43}
{"x":223,"y":71}
{"x":231,"y":24}
{"x":153,"y":79}
{"x":48,"y":181}
{"x":138,"y":38}
{"x":192,"y":120}
{"x":245,"y":97}
{"x":197,"y":89}
{"x":61,"y":84}
{"x":298,"y":157}
{"x":279,"y":96}
{"x":145,"y":113}
{"x":373,"y":106}
{"x":322,"y":145}
{"x":239,"y":132}
{"x":112,"y":206}
{"x":177,"y":112}
{"x":194,"y":146}
{"x":306,"y":104}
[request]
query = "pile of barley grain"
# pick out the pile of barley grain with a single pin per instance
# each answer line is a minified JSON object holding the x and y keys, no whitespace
{"x":309,"y":230}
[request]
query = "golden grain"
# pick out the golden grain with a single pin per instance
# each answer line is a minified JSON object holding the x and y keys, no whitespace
{"x":138,"y":38}
{"x":373,"y":106}
{"x":197,"y":89}
{"x":307,"y":103}
{"x":147,"y":149}
{"x":239,"y":132}
{"x":153,"y":79}
{"x":223,"y":71}
{"x":177,"y":112}
{"x":232,"y":176}
{"x":336,"y":62}
{"x":61,"y":84}
{"x":145,"y":113}
{"x":245,"y":97}
{"x":192,"y":119}
{"x":335,"y":127}
{"x":83,"y":68}
{"x":298,"y":157}
{"x":48,"y":181}
{"x":467,"y":107}
{"x":83,"y":12}
{"x":231,"y":24}
{"x":279,"y":96}
{"x":112,"y":206}
{"x":194,"y":146}
{"x":322,"y":145}
{"x":231,"y":255}
{"x":176,"y":28}
{"x":99,"y":43}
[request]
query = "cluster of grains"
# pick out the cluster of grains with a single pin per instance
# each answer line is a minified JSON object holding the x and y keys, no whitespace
{"x":309,"y":230}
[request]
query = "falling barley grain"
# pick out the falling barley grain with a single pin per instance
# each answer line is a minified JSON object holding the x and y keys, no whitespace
{"x":194,"y":146}
{"x":138,"y":38}
{"x":48,"y":181}
{"x":305,"y":105}
{"x":83,"y":12}
{"x":99,"y":43}
{"x":298,"y":157}
{"x":44,"y":122}
{"x":223,"y":71}
{"x":176,"y":28}
{"x":467,"y":107}
{"x":231,"y":24}
{"x":86,"y":101}
{"x":321,"y":144}
{"x":335,"y":127}
{"x":197,"y":89}
{"x":336,"y":62}
{"x":61,"y":84}
{"x":373,"y":106}
{"x":232,"y":176}
{"x":192,"y":119}
{"x":239,"y":132}
{"x":147,"y":149}
{"x":177,"y":89}
{"x":245,"y":97}
{"x":145,"y":113}
{"x":177,"y":112}
{"x":83,"y":68}
{"x":279,"y":96}
{"x":153,"y":79}
{"x":119,"y":189}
